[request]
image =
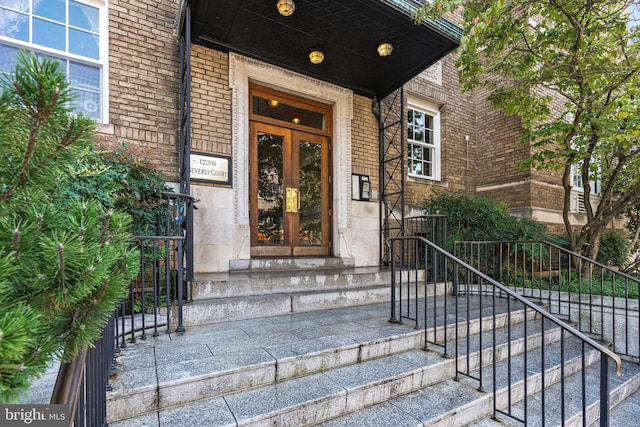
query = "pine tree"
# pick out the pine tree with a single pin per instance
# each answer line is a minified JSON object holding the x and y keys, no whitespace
{"x":64,"y":263}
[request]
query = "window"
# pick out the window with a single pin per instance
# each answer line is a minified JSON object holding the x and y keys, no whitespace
{"x":423,"y":135}
{"x":576,"y":180}
{"x":577,"y":191}
{"x":576,"y":176}
{"x":72,"y":31}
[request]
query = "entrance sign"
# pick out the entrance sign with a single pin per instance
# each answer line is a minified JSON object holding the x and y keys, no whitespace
{"x":210,"y":168}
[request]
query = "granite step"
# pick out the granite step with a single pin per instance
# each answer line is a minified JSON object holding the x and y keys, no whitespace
{"x":321,"y":356}
{"x":463,"y":403}
{"x":627,"y":411}
{"x":247,"y":295}
{"x":224,"y":285}
{"x":224,"y":309}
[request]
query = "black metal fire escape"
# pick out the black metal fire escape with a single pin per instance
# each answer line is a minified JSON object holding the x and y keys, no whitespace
{"x":184,"y":32}
{"x":392,"y":173}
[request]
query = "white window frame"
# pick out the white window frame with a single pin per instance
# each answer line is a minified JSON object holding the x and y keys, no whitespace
{"x":577,"y":190}
{"x":102,"y":63}
{"x":432,"y":110}
{"x":576,"y":177}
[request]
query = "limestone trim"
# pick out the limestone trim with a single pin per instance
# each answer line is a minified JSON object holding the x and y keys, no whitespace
{"x":484,"y":188}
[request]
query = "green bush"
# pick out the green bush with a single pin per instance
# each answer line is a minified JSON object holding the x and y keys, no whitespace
{"x":614,"y":247}
{"x":474,"y":218}
{"x":121,"y":178}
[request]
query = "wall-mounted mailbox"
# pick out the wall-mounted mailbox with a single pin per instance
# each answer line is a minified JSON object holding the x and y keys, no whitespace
{"x":360,"y":187}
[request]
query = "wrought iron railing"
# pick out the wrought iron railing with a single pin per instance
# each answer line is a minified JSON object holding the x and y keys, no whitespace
{"x":155,"y":298}
{"x":431,"y":227}
{"x":513,"y":337}
{"x":602,"y":301}
{"x":82,"y":384}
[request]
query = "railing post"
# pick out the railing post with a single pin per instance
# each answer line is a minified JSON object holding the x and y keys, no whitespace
{"x":180,"y":327}
{"x":604,"y":390}
{"x":393,"y":284}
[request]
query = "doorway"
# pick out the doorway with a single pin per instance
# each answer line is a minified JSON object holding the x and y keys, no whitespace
{"x":290,"y":176}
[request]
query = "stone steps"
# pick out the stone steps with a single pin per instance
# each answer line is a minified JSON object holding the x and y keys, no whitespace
{"x":316,"y":348}
{"x":315,"y":356}
{"x":460,"y":403}
{"x":247,"y":294}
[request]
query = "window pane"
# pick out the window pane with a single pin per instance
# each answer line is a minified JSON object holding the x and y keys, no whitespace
{"x":21,"y":5}
{"x":270,"y":189}
{"x":418,"y":118}
{"x":7,"y":59}
{"x":84,"y":76}
{"x":419,"y":135}
{"x":84,"y":16}
{"x":83,"y":43}
{"x":86,"y":102}
{"x":48,"y":34}
{"x":428,"y":154}
{"x":14,"y":25}
{"x":415,"y":168}
{"x":429,"y":138}
{"x":428,"y":169}
{"x":51,"y":9}
{"x":429,"y":121}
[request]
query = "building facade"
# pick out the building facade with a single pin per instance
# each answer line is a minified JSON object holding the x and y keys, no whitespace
{"x":284,"y":155}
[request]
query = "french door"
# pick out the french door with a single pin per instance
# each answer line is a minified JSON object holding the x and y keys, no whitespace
{"x":289,"y":194}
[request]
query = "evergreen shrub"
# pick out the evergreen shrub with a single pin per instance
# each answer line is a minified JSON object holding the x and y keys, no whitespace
{"x":64,"y":262}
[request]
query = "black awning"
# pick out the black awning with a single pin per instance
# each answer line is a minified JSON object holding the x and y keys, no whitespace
{"x":347,"y":31}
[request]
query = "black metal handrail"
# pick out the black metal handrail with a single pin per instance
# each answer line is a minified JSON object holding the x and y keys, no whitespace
{"x":602,"y":301}
{"x":420,"y":292}
{"x":178,"y":221}
{"x":82,"y":384}
{"x":155,"y":297}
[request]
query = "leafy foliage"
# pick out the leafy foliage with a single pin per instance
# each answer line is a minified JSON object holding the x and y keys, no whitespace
{"x":120,"y":178}
{"x":570,"y":70}
{"x":475,"y":218}
{"x":614,"y":249}
{"x":64,"y":263}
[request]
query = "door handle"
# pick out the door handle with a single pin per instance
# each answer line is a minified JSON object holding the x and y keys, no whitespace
{"x":293,"y":200}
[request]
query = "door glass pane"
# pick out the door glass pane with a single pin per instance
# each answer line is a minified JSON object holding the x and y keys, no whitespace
{"x":275,"y":109}
{"x":270,"y":189}
{"x":310,"y":193}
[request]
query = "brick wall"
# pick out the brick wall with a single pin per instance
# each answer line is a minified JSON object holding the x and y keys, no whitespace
{"x":210,"y":101}
{"x":143,"y":79}
{"x":365,"y":151}
{"x":499,"y":146}
{"x":457,"y":120}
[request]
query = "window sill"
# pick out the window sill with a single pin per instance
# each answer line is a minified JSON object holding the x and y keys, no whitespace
{"x":429,"y":181}
{"x":106,"y":128}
